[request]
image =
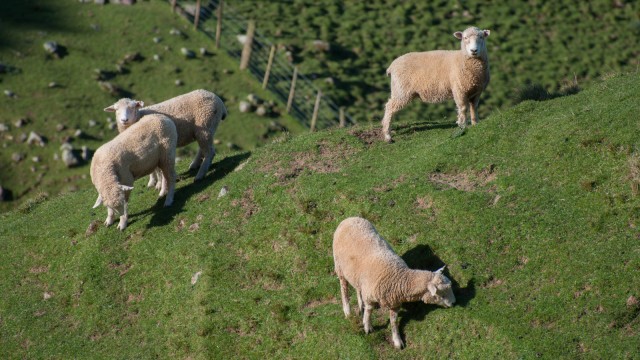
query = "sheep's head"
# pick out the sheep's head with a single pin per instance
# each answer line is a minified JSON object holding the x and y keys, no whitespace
{"x":114,"y":198}
{"x":126,"y":111}
{"x":473,"y":41}
{"x":439,"y":290}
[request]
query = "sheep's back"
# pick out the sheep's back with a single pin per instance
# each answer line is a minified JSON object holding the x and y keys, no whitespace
{"x":360,"y":254}
{"x":190,"y":112}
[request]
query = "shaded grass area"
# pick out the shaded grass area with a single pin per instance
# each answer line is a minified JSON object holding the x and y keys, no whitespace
{"x":543,"y":266}
{"x":115,"y":44}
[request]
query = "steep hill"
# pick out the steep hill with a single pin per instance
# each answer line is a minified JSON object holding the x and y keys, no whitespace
{"x":93,"y":40}
{"x":535,"y":211}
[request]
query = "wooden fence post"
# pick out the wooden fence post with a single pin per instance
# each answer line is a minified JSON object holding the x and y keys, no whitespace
{"x":316,"y":107}
{"x":197,"y":15}
{"x":219,"y":24}
{"x":292,"y":91}
{"x":173,"y":6}
{"x":341,"y":117}
{"x":269,"y":63}
{"x":246,"y":50}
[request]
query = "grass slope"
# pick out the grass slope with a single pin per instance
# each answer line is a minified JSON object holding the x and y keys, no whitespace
{"x":533,"y":211}
{"x":98,"y":37}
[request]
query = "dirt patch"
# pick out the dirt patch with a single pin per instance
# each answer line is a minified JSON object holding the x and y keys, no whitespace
{"x":315,"y":303}
{"x":247,"y":203}
{"x":39,"y":269}
{"x":390,"y":186}
{"x":465,"y":180}
{"x":368,"y":137}
{"x":327,"y":158}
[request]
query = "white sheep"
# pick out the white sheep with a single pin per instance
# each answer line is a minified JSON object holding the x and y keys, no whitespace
{"x":147,"y":145}
{"x":366,"y":261}
{"x":438,"y":75}
{"x":196,"y":115}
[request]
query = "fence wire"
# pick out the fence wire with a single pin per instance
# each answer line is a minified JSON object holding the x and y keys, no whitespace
{"x":234,"y":26}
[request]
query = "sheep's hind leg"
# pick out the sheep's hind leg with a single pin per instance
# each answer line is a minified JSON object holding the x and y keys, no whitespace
{"x":344,"y":293}
{"x":152,"y":180}
{"x":392,"y":107}
{"x":395,"y":333}
{"x":366,"y":319}
{"x":360,"y":302}
{"x":208,"y":158}
{"x":197,"y":160}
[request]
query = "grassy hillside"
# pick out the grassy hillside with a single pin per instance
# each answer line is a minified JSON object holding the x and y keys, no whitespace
{"x":100,"y":37}
{"x":535,"y":212}
{"x":546,"y":43}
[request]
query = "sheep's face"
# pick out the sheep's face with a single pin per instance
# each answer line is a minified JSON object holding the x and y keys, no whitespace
{"x":439,"y":292}
{"x":473,"y":41}
{"x":126,"y":111}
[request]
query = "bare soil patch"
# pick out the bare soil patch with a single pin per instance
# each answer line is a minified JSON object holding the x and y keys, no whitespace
{"x":466,"y":180}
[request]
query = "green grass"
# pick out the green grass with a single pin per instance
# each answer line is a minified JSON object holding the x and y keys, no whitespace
{"x":98,"y":37}
{"x":550,"y":44}
{"x":533,"y":211}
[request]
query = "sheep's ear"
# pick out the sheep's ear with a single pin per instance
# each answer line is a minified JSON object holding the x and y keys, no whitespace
{"x":432,"y":289}
{"x":458,"y":35}
{"x":439,"y":271}
{"x":140,"y":104}
{"x":110,"y":109}
{"x":98,"y":202}
{"x":125,"y":187}
{"x":486,"y":33}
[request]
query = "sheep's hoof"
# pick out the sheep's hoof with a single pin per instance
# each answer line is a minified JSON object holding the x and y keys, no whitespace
{"x":387,"y":139}
{"x":398,"y":344}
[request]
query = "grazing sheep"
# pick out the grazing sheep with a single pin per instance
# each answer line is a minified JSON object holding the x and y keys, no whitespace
{"x":438,"y":75}
{"x":149,"y":144}
{"x":196,"y":115}
{"x":366,"y":261}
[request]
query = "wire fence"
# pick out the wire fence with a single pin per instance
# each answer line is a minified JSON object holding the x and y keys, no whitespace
{"x":301,"y":102}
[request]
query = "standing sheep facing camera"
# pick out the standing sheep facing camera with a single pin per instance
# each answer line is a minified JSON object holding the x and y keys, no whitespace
{"x":196,"y":115}
{"x":366,"y":261}
{"x":147,"y":145}
{"x":438,"y":75}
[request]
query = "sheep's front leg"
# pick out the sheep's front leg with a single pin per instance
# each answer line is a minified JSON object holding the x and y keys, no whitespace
{"x":123,"y":219}
{"x":344,"y":293}
{"x":473,"y":104}
{"x":366,"y":319}
{"x":462,"y":103}
{"x":153,"y":180}
{"x":395,"y":333}
{"x":110,"y":217}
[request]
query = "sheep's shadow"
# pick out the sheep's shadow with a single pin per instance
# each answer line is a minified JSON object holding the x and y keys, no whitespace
{"x":162,"y":216}
{"x":403,"y":129}
{"x":422,"y":257}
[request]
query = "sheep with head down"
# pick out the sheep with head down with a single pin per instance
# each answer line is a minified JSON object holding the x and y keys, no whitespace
{"x":145,"y":146}
{"x":365,"y":260}
{"x":438,"y":75}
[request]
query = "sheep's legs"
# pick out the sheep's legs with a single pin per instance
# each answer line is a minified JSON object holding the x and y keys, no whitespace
{"x":463,"y":106}
{"x":366,"y":319}
{"x":168,"y":182}
{"x":123,"y":218}
{"x":473,"y":104}
{"x":395,"y":333}
{"x":110,"y":217}
{"x":344,"y":293}
{"x":206,"y":158}
{"x":155,"y":179}
{"x":360,"y":302}
{"x":197,"y":160}
{"x":392,"y":107}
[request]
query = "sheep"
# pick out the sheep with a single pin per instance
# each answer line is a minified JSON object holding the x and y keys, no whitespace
{"x":438,"y":75}
{"x":147,"y":145}
{"x":196,"y":115}
{"x":365,"y":260}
